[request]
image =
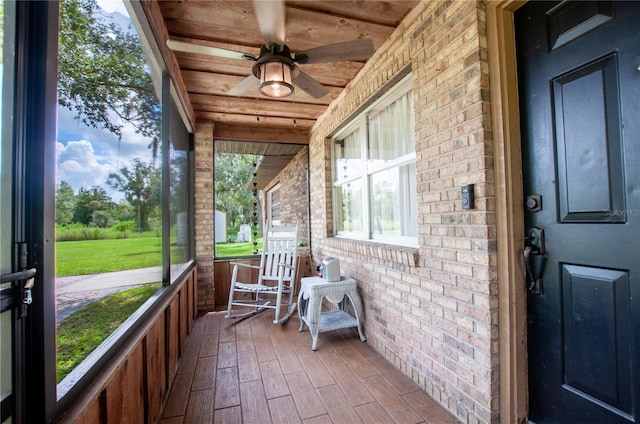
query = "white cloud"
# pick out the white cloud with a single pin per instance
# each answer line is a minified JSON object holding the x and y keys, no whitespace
{"x":79,"y":165}
{"x":86,"y":156}
{"x":111,"y":6}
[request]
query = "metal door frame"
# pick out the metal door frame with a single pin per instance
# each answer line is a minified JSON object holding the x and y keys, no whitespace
{"x":33,"y":192}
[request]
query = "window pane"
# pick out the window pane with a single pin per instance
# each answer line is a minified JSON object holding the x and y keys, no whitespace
{"x":349,"y":217}
{"x":179,"y":191}
{"x":348,"y":156}
{"x":391,"y":131}
{"x":109,"y":185}
{"x":393,"y":202}
{"x":375,"y":172}
{"x":273,"y":207}
{"x":179,"y":210}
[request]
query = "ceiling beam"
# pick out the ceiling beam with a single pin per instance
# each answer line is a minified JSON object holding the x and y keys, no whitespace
{"x":224,"y":131}
{"x":247,"y":106}
{"x":305,"y":29}
{"x":388,"y":13}
{"x":252,"y":120}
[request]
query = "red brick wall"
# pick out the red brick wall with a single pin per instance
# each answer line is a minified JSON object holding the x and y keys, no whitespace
{"x":204,"y":213}
{"x":431,"y":311}
{"x":294,"y":196}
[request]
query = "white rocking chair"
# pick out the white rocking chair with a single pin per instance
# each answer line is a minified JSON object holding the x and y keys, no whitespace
{"x":276,"y":278}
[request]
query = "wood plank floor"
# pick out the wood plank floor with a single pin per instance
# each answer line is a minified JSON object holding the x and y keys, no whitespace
{"x":253,"y":371}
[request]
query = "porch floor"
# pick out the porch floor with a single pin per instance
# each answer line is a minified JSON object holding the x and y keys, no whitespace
{"x":253,"y":371}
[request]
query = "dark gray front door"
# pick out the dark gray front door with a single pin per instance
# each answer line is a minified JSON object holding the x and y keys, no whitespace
{"x":579,"y":82}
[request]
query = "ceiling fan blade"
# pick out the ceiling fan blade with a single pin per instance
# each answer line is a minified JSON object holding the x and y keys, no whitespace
{"x":349,"y":50}
{"x":182,"y":46}
{"x":244,"y":86}
{"x":311,"y":86}
{"x":271,"y":16}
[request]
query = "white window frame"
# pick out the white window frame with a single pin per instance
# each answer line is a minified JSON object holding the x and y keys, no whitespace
{"x":272,"y":190}
{"x":368,"y":168}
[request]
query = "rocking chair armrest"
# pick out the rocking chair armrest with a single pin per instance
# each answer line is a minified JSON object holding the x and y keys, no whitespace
{"x":291,"y":267}
{"x":244,"y":265}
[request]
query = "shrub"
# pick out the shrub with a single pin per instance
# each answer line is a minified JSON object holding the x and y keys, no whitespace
{"x":78,"y":232}
{"x":123,"y":226}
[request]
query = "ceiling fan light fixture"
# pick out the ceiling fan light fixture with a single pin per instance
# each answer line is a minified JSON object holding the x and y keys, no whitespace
{"x":275,"y":78}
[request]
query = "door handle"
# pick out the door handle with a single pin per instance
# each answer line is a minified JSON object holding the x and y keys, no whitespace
{"x":28,"y":277}
{"x":534,"y":246}
{"x":535,"y":240}
{"x":17,"y":276}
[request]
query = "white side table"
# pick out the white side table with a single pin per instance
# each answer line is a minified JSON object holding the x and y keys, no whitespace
{"x":313,"y":290}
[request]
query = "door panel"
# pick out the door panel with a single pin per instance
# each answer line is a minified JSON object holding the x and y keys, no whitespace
{"x":596,"y":302}
{"x":579,"y":83}
{"x":585,"y":105}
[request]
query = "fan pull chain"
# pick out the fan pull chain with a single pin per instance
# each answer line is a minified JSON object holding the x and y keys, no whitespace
{"x":294,"y":109}
{"x":257,"y":94}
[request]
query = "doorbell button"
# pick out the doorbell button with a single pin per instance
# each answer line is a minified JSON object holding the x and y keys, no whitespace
{"x":467,"y":196}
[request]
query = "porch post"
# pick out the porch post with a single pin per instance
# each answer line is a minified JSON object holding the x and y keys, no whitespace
{"x":204,"y":207}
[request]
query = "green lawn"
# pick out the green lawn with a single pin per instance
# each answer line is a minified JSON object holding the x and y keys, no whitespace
{"x":83,"y":331}
{"x":96,"y":256}
{"x":236,"y":249}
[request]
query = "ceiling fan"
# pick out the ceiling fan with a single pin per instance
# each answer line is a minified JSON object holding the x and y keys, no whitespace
{"x":276,"y":68}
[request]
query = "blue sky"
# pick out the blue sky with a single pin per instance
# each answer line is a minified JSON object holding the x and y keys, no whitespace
{"x":85,"y":155}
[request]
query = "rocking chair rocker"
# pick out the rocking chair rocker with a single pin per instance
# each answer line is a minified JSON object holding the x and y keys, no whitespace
{"x":276,"y":278}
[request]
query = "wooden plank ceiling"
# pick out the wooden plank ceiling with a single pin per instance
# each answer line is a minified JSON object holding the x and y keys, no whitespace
{"x":202,"y":82}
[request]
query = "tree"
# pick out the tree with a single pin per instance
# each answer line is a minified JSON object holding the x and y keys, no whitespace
{"x":178,"y":186}
{"x":233,"y":173}
{"x":65,"y":203}
{"x":104,"y":77}
{"x":93,"y":207}
{"x":138,"y":185}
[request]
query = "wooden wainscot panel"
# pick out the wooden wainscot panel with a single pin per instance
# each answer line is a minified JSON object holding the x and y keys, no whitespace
{"x":189,"y":286}
{"x":172,"y":334}
{"x":194,"y":288}
{"x":134,"y":386}
{"x":184,"y":316}
{"x":124,"y":392}
{"x":221,"y":281}
{"x":90,"y":414}
{"x":222,"y":277}
{"x":155,"y":360}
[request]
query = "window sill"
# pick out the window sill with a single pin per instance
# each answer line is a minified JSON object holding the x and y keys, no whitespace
{"x":367,"y":250}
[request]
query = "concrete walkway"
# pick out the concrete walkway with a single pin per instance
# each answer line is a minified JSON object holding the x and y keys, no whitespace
{"x":72,"y":293}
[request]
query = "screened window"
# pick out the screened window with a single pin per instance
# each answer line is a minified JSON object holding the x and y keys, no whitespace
{"x":374,"y":172}
{"x":124,"y":180}
{"x":179,"y":194}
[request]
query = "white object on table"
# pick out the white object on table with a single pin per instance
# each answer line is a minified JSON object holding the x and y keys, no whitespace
{"x":313,"y":290}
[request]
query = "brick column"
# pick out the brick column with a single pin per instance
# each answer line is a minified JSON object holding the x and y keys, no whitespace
{"x":204,"y":213}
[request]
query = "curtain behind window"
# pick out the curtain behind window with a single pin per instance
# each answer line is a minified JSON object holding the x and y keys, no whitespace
{"x":391,"y":130}
{"x":349,"y":156}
